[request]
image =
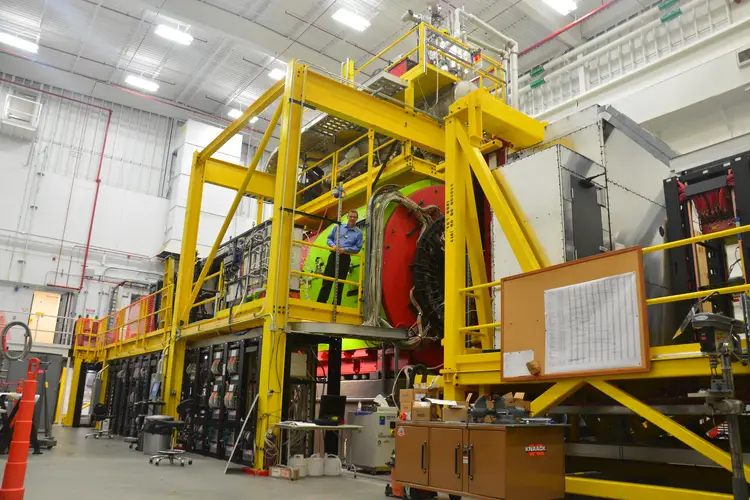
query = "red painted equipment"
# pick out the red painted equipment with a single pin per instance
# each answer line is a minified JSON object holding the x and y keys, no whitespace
{"x":400,"y":245}
{"x":15,"y":468}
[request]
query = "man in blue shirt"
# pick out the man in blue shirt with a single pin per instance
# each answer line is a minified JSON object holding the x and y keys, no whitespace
{"x":350,"y":242}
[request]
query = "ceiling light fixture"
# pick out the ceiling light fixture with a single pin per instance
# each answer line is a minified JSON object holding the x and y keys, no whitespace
{"x":253,"y":119}
{"x":351,"y":19}
{"x":18,"y":42}
{"x":234,"y":113}
{"x":277,"y":74}
{"x":142,"y":83}
{"x":174,"y":34}
{"x":563,"y":7}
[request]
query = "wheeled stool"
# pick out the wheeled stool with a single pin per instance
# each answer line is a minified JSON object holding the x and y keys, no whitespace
{"x":171,"y":454}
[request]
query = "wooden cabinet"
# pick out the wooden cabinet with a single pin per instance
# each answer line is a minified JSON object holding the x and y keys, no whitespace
{"x":485,"y":462}
{"x":445,"y":463}
{"x":412,"y":448}
{"x":482,"y":461}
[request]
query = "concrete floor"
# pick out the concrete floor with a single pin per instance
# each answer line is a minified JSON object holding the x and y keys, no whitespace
{"x":88,"y":469}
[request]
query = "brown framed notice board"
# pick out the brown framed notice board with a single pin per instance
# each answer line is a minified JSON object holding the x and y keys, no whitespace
{"x":581,"y":318}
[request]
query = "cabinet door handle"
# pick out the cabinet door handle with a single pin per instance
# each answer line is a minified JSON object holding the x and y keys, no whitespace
{"x":424,"y":449}
{"x":469,"y":453}
{"x":455,"y":460}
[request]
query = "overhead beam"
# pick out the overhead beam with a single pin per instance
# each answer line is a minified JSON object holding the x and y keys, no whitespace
{"x":230,"y":176}
{"x":348,"y":103}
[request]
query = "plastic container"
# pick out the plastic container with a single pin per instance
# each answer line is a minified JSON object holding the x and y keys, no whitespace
{"x":332,"y":466}
{"x":315,"y":466}
{"x":299,"y":462}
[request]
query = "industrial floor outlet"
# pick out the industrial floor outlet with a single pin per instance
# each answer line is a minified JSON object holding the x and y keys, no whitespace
{"x":89,"y":469}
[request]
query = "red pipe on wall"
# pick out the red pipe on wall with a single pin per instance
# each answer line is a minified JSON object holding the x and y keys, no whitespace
{"x":98,"y":172}
{"x":566,"y":28}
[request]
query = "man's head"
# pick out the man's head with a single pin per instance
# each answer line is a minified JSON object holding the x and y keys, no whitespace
{"x":352,"y":218}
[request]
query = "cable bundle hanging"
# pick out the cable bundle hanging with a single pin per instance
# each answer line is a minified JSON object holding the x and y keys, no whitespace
{"x":376,"y":233}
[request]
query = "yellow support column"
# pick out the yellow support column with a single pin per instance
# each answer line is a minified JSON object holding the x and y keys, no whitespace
{"x":273,"y":344}
{"x":455,"y":257}
{"x":181,"y":308}
{"x":77,"y":365}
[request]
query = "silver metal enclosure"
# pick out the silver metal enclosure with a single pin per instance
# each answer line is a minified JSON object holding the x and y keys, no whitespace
{"x":635,"y":163}
{"x":564,"y":199}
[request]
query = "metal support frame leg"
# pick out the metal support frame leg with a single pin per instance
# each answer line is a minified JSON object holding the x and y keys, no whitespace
{"x":180,"y":313}
{"x":273,"y":352}
{"x":665,"y":423}
{"x":455,"y":257}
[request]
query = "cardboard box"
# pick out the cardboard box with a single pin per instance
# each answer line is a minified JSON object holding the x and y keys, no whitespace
{"x":406,"y":408}
{"x":284,"y":472}
{"x":517,"y":400}
{"x":408,"y":395}
{"x":457,"y":412}
{"x":421,"y":411}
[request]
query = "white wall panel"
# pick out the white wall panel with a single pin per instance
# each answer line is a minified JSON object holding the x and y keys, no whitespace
{"x":71,"y":136}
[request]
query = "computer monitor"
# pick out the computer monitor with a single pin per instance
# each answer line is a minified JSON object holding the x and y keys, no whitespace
{"x":155,"y":386}
{"x":332,"y":408}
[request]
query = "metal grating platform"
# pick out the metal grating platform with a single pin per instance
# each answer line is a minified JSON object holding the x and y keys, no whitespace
{"x":347,"y":331}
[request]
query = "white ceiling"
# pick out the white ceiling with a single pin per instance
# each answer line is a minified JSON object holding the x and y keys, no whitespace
{"x":89,"y":46}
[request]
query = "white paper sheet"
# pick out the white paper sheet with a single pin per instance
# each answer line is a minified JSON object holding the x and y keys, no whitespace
{"x":593,"y":325}
{"x":514,"y":363}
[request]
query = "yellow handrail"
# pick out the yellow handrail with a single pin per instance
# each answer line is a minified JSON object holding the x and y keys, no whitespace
{"x":322,"y":247}
{"x":389,"y":47}
{"x":697,"y":239}
{"x":327,"y":278}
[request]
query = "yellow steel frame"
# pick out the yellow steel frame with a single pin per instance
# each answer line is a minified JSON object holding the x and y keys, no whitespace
{"x":464,"y":368}
{"x":270,"y":315}
{"x":460,"y":140}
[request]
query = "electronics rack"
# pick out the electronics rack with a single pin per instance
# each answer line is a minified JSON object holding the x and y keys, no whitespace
{"x":129,"y":381}
{"x":222,"y":379}
{"x":242,"y":267}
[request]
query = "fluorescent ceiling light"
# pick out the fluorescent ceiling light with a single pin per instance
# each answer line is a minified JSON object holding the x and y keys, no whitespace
{"x":18,"y":43}
{"x":142,"y":83}
{"x":173,"y":34}
{"x":253,"y":119}
{"x":564,"y":7}
{"x":351,"y":19}
{"x":277,"y":74}
{"x":234,"y":113}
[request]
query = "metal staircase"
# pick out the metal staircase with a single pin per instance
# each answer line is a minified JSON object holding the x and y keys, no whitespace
{"x":629,"y":47}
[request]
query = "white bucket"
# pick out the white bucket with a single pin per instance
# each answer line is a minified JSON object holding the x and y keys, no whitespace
{"x":299,"y":462}
{"x":332,"y":466}
{"x":315,"y":466}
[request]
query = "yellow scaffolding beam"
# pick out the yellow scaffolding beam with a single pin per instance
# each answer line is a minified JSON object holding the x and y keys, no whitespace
{"x":230,"y":175}
{"x":367,"y":111}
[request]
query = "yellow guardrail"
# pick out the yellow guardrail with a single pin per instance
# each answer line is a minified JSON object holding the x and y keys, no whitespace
{"x":729,"y":290}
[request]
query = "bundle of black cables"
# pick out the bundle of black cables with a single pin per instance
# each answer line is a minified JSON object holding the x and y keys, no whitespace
{"x":428,"y":274}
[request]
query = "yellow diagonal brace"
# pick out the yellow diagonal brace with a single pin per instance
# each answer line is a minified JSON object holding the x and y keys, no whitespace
{"x":554,"y":395}
{"x":516,"y":228}
{"x":599,"y":488}
{"x":668,"y":425}
{"x":255,"y":109}
{"x":235,"y":203}
{"x":476,"y":258}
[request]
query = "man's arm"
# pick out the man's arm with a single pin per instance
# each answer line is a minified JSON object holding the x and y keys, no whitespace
{"x":356,"y":244}
{"x":332,"y":237}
